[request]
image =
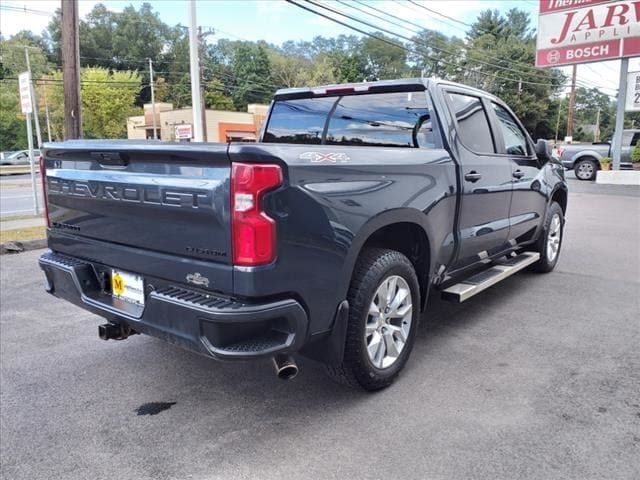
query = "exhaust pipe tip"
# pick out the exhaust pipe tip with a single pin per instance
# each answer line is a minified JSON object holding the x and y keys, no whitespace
{"x":286,"y":367}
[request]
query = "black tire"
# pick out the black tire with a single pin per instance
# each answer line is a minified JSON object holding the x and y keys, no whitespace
{"x":546,"y":264}
{"x":373,"y":267}
{"x":586,"y":169}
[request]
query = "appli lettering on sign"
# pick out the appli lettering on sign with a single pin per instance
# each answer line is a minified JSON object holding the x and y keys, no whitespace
{"x":581,"y":31}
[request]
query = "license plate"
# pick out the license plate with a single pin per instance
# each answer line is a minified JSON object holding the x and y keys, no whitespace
{"x":127,"y":286}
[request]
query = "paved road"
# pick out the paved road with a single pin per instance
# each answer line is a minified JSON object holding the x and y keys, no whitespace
{"x":16,"y":195}
{"x":537,"y":378}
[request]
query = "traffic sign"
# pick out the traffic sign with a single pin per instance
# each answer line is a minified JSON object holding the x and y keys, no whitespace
{"x":583,"y":31}
{"x":24,"y":82}
{"x":633,"y":92}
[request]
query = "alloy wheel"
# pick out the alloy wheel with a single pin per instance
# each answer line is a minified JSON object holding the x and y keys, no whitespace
{"x":388,"y":321}
{"x":553,"y":238}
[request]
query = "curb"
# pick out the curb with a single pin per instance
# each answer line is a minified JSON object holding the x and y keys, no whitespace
{"x":618,"y":177}
{"x":17,"y":247}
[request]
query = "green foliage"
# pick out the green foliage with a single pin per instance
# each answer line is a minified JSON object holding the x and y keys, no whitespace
{"x":108,"y":98}
{"x":635,"y":153}
{"x":251,"y":71}
{"x":496,"y":54}
{"x":605,"y":161}
{"x":215,"y":97}
{"x":13,"y":129}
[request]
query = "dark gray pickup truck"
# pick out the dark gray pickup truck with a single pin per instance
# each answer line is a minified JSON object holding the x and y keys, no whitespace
{"x":324,"y":239}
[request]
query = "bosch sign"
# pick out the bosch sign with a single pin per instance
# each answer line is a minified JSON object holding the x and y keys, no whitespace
{"x":581,"y":31}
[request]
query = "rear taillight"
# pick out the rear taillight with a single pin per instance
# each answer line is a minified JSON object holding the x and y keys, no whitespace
{"x":43,"y":177}
{"x":254,"y":233}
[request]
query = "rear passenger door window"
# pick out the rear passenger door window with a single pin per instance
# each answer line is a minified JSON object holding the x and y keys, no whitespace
{"x":382,"y":120}
{"x":473,"y":123}
{"x":515,"y":140}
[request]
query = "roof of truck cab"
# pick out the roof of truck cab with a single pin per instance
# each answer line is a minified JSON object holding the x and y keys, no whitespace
{"x":415,"y":83}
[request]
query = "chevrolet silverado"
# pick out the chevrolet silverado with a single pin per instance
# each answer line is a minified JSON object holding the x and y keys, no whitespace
{"x":324,"y":239}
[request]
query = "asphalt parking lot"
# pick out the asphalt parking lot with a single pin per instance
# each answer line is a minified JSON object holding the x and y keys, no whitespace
{"x":538,"y":377}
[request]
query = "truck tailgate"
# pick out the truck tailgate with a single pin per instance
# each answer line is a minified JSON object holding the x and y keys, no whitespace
{"x":170,"y":201}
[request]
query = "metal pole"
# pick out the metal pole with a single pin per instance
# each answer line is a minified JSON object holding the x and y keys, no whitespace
{"x":196,"y":103}
{"x":572,"y":102}
{"x":46,"y":113}
{"x":203,"y":106}
{"x":153,"y":100}
{"x":616,"y":145}
{"x":33,"y":99}
{"x":596,"y":132}
{"x":32,"y":163}
{"x":558,"y":121}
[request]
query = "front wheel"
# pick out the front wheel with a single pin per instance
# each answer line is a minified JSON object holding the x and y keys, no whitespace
{"x":384,"y":305}
{"x":586,"y":169}
{"x":551,"y":239}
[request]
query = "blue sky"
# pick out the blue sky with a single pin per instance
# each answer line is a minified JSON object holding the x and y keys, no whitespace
{"x":272,"y":20}
{"x":276,"y":21}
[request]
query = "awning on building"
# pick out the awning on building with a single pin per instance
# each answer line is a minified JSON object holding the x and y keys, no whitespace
{"x":231,"y":135}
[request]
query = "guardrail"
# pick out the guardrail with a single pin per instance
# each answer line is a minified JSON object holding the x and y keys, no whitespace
{"x":15,"y":169}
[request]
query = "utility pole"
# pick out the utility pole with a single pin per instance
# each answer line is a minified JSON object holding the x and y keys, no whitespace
{"x":70,"y":41}
{"x":596,"y":132}
{"x":153,"y":100}
{"x":33,"y":98}
{"x":196,"y":100}
{"x":46,"y":113}
{"x":558,"y":121}
{"x":572,"y":101}
{"x":201,"y":45}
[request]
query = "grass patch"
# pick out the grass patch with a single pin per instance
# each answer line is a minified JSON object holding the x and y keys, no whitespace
{"x":22,"y":234}
{"x":26,"y":216}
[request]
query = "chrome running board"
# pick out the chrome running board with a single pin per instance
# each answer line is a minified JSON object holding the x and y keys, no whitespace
{"x":495,"y":273}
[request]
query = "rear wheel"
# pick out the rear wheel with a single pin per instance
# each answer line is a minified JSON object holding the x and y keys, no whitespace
{"x":586,"y":168}
{"x":551,"y":240}
{"x":384,"y":300}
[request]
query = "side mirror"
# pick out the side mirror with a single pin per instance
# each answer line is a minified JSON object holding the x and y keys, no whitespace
{"x":543,"y":151}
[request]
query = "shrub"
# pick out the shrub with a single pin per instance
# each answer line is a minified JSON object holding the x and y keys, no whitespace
{"x":635,"y":153}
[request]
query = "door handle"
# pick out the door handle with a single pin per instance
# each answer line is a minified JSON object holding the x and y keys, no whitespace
{"x":518,"y":174}
{"x":472,"y":176}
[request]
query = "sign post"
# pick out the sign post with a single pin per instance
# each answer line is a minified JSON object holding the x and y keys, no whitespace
{"x":616,"y":144}
{"x":26,"y":104}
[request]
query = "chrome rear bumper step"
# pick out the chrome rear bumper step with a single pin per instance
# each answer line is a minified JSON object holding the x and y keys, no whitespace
{"x":481,"y":281}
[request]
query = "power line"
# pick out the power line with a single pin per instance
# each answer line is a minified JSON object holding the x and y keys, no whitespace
{"x":517,"y":80}
{"x":24,"y":9}
{"x":530,"y":69}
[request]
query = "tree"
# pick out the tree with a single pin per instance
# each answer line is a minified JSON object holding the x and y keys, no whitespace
{"x":500,"y":58}
{"x":215,"y":97}
{"x":251,"y":73}
{"x":108,"y":98}
{"x":383,"y":59}
{"x":13,"y":130}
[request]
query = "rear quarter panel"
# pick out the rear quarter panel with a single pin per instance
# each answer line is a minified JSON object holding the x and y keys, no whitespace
{"x":331,"y":204}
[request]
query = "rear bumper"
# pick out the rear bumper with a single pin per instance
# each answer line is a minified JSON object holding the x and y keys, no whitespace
{"x":212,"y":325}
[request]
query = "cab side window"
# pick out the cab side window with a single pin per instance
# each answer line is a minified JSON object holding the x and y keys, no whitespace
{"x":473,"y":123}
{"x":514,"y":138}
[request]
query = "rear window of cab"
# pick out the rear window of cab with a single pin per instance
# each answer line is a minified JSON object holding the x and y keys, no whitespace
{"x":398,"y":119}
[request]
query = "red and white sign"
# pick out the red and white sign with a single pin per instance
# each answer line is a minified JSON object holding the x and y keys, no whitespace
{"x":184,"y":132}
{"x":24,"y":82}
{"x":582,"y":31}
